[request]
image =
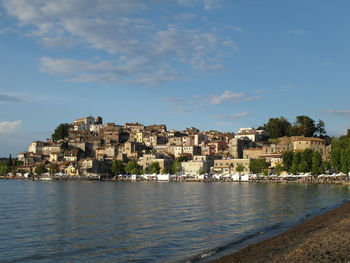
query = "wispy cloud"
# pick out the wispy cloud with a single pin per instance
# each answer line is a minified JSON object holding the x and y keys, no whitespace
{"x":297,"y":31}
{"x":345,"y":113}
{"x":230,"y":97}
{"x":9,"y":98}
{"x":122,"y":29}
{"x":172,"y":100}
{"x":231,"y":116}
{"x":197,"y":102}
{"x":8,"y":127}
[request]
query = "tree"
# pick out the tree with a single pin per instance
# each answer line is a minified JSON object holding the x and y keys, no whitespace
{"x":61,"y":132}
{"x":40,"y":169}
{"x":303,"y":126}
{"x":176,"y":167}
{"x":305,"y":162}
{"x":265,"y":172}
{"x":182,"y":158}
{"x":131,"y":167}
{"x":336,"y":159}
{"x":240,"y":168}
{"x":295,"y":163}
{"x":54,"y":168}
{"x":258,"y":165}
{"x":277,"y":127}
{"x":278,"y":169}
{"x":3,"y":170}
{"x":135,"y":171}
{"x":201,"y":172}
{"x":320,"y":130}
{"x":154,"y":168}
{"x":10,"y":162}
{"x":163,"y":171}
{"x":287,"y":157}
{"x":316,"y":163}
{"x":118,"y":167}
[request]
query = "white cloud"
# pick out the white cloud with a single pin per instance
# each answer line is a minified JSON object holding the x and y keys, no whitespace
{"x":231,"y":116}
{"x":8,"y":127}
{"x":227,"y":96}
{"x":136,"y":70}
{"x":297,"y":31}
{"x":121,"y":29}
{"x":237,"y":28}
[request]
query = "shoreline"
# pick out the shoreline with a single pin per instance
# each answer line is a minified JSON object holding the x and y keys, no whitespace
{"x":323,"y":238}
{"x":267,"y":181}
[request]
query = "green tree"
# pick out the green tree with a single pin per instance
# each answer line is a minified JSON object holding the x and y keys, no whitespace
{"x":61,"y":132}
{"x":303,"y":126}
{"x":10,"y":162}
{"x":118,"y":167}
{"x":54,"y":168}
{"x":303,"y":167}
{"x":265,"y":172}
{"x":287,"y":157}
{"x":135,"y":171}
{"x":277,"y":127}
{"x":154,"y":168}
{"x":345,"y":160}
{"x":240,"y":168}
{"x":258,"y":165}
{"x":40,"y":169}
{"x":320,"y":130}
{"x":131,"y":167}
{"x":176,"y":167}
{"x":336,"y":159}
{"x":316,"y":163}
{"x":3,"y":170}
{"x":295,"y":163}
{"x":278,"y":169}
{"x":201,"y":172}
{"x":163,"y":171}
{"x":182,"y":158}
{"x":326,"y":165}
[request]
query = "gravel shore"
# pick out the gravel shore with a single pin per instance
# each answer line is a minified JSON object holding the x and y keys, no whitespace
{"x":324,"y":238}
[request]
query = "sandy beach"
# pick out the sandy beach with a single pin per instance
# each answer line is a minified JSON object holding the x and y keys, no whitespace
{"x":324,"y":238}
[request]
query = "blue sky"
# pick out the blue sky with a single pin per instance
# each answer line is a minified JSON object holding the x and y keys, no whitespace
{"x":212,"y":64}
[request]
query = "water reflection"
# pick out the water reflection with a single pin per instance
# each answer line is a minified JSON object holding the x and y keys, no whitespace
{"x":145,"y":222}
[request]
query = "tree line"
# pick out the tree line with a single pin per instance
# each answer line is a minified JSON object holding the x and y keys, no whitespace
{"x":302,"y":126}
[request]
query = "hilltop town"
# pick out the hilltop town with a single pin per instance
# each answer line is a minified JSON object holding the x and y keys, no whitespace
{"x":88,"y":147}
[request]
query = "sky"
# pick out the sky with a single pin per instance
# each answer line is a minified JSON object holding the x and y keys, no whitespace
{"x":211,"y":64}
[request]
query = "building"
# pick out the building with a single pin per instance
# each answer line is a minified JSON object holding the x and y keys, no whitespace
{"x":252,"y":134}
{"x":229,"y":166}
{"x":315,"y":144}
{"x":36,"y":147}
{"x":134,"y":126}
{"x":200,"y":163}
{"x":164,"y":162}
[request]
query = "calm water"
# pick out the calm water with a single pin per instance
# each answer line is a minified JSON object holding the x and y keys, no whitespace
{"x":147,"y":222}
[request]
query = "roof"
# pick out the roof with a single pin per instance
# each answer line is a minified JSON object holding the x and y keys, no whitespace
{"x":314,"y":139}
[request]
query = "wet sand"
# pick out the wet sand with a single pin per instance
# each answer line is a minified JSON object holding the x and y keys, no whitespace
{"x":324,"y":238}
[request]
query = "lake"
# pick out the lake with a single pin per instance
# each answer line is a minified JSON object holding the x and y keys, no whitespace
{"x":148,"y":221}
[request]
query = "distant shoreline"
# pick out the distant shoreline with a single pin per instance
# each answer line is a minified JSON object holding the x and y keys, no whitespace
{"x":323,"y":238}
{"x":84,"y":178}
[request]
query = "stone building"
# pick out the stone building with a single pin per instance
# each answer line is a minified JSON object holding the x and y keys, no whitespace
{"x":229,"y":166}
